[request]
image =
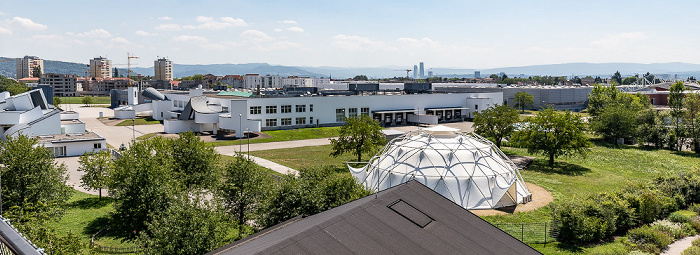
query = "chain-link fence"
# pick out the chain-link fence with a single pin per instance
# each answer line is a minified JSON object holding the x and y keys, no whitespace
{"x":533,"y":232}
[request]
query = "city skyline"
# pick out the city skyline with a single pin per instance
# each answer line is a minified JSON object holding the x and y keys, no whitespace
{"x":452,"y":34}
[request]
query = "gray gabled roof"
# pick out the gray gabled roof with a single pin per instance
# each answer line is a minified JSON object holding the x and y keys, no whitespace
{"x":406,"y":219}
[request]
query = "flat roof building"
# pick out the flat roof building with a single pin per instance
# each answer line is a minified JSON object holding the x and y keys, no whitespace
{"x":29,"y":67}
{"x":163,"y":69}
{"x":100,"y":68}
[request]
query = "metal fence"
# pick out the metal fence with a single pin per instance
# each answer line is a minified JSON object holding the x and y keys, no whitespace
{"x":107,"y":249}
{"x":534,"y":232}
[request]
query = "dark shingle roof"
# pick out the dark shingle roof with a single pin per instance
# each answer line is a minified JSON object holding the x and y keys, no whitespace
{"x":406,"y":219}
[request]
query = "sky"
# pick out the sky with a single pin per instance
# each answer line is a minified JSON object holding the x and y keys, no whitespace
{"x":360,"y":33}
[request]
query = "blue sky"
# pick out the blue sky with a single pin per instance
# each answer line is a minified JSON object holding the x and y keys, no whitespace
{"x":457,"y":34}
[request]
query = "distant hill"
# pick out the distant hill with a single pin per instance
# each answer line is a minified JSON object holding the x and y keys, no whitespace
{"x":683,"y":70}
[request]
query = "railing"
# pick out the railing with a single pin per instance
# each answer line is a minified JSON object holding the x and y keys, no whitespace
{"x":534,"y":232}
{"x":108,"y":249}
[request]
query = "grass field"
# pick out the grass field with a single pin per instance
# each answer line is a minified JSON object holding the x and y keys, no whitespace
{"x":79,"y":100}
{"x":605,"y":168}
{"x":287,"y":135}
{"x":139,"y":121}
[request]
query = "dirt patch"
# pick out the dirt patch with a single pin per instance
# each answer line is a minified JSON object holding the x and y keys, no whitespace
{"x":110,"y":121}
{"x":221,"y":136}
{"x":540,"y":197}
{"x":521,"y":161}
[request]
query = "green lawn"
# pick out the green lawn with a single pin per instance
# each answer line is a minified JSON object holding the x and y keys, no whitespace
{"x":79,"y":100}
{"x":287,"y":135}
{"x":605,"y":168}
{"x":139,"y":121}
{"x":85,"y":216}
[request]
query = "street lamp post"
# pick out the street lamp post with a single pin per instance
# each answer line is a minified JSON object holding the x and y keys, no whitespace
{"x":248,"y":138}
{"x":240,"y":128}
{"x":133,"y":130}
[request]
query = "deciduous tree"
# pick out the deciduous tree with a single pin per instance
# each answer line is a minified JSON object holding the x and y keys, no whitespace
{"x":98,"y":169}
{"x":244,"y":189}
{"x":87,"y":100}
{"x":675,"y":101}
{"x":553,"y":134}
{"x":523,"y":100}
{"x":196,"y":163}
{"x":496,"y":122}
{"x":360,"y":134}
{"x":30,"y":174}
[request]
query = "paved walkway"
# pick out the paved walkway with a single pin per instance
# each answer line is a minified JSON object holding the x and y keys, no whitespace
{"x":114,"y":135}
{"x":74,"y":175}
{"x":679,"y":246}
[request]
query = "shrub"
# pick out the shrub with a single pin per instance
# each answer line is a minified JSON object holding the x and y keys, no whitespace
{"x":615,"y":248}
{"x":696,"y":242}
{"x":676,"y":230}
{"x":649,"y":203}
{"x":694,"y":207}
{"x":684,"y":186}
{"x":649,"y":239}
{"x":692,"y":250}
{"x":582,"y":221}
{"x":678,"y":218}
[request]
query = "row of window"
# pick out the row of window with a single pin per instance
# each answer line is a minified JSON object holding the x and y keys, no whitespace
{"x":288,"y":121}
{"x":352,"y":112}
{"x":272,"y":109}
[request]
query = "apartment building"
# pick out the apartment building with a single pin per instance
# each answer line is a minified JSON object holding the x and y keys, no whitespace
{"x":163,"y":69}
{"x":28,"y":66}
{"x":64,"y":85}
{"x":100,"y":68}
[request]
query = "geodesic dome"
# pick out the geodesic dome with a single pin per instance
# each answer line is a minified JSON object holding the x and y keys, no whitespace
{"x":464,"y":167}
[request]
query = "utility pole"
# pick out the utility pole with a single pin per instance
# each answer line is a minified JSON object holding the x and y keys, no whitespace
{"x":240,"y":128}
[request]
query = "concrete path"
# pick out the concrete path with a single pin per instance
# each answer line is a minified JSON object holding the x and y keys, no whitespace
{"x":273,"y":166}
{"x":679,"y":246}
{"x":115,"y":136}
{"x":74,"y":175}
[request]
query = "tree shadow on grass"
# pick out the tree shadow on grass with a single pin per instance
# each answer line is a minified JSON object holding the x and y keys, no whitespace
{"x":108,"y":228}
{"x":91,"y":203}
{"x":563,"y":168}
{"x":687,"y":154}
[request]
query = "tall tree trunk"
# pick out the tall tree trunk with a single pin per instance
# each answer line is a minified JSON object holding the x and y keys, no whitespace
{"x":551,"y":160}
{"x":100,"y":190}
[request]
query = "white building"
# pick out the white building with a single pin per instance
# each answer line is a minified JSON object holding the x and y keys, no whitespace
{"x":252,"y":81}
{"x":305,"y":81}
{"x":100,"y":68}
{"x":29,"y":114}
{"x":163,"y":69}
{"x":200,"y":112}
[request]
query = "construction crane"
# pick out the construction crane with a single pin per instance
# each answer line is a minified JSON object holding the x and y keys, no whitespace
{"x":129,"y":56}
{"x":407,"y":71}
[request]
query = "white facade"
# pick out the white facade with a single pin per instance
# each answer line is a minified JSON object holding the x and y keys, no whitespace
{"x":74,"y":144}
{"x":271,"y":81}
{"x":29,"y":114}
{"x":26,"y":65}
{"x":252,"y":81}
{"x":305,"y":81}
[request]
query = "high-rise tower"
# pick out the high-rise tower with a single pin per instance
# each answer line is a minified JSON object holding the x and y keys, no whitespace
{"x":415,"y":72}
{"x":28,"y":66}
{"x":100,"y":68}
{"x":422,"y":73}
{"x":163,"y":69}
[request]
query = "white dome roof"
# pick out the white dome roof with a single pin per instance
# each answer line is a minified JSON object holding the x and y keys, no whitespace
{"x":464,"y":167}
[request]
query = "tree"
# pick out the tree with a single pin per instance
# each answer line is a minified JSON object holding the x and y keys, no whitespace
{"x":12,"y":86}
{"x":600,"y":97}
{"x":553,"y":134}
{"x":361,"y":77}
{"x":142,"y":183}
{"x":36,"y":72}
{"x":523,"y":100}
{"x":195,"y":161}
{"x":360,"y":134}
{"x":57,"y":102}
{"x":691,"y":119}
{"x":87,"y":100}
{"x":651,"y":129}
{"x":597,"y":80}
{"x":244,"y":189}
{"x":577,"y":80}
{"x":116,"y":72}
{"x":618,"y":118}
{"x":30,"y":175}
{"x":188,"y":226}
{"x":616,"y":77}
{"x":675,"y":102}
{"x":98,"y":168}
{"x":496,"y":122}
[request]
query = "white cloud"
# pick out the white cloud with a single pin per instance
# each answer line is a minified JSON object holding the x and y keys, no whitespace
{"x":190,"y":39}
{"x":165,"y":18}
{"x":278,"y":30}
{"x":26,"y":23}
{"x":54,"y":41}
{"x":120,"y":40}
{"x":168,"y":27}
{"x":144,"y":33}
{"x":281,"y":45}
{"x":234,"y":22}
{"x":288,"y":22}
{"x":96,"y":33}
{"x":255,"y":36}
{"x":5,"y":31}
{"x":356,"y":43}
{"x":209,"y":23}
{"x":619,"y":39}
{"x":295,"y":29}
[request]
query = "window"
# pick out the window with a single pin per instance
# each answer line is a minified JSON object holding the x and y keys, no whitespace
{"x":311,"y":120}
{"x":301,"y":108}
{"x":340,"y":115}
{"x":476,"y":107}
{"x":311,"y":108}
{"x":255,"y":109}
{"x":97,"y":146}
{"x":301,"y":121}
{"x":286,"y":121}
{"x":352,"y":112}
{"x":271,"y":109}
{"x":271,"y":122}
{"x":224,"y":109}
{"x":286,"y":109}
{"x":364,"y":111}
